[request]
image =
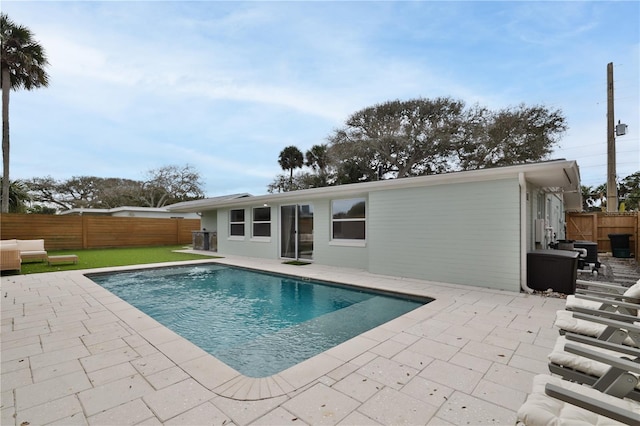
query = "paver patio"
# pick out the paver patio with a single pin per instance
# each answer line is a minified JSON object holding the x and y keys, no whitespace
{"x":73,"y":353}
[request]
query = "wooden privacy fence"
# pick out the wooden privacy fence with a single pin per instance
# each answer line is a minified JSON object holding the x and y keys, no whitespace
{"x":597,"y":226}
{"x":85,"y":232}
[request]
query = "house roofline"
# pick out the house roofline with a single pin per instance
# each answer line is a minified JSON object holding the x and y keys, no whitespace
{"x":556,"y":171}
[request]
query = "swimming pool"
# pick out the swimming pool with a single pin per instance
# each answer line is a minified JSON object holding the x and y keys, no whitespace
{"x":258,"y":323}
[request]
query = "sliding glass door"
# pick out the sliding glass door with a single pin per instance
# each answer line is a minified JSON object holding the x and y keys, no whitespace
{"x":296,"y":231}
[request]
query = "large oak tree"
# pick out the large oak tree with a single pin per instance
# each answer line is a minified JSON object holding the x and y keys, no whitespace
{"x":399,"y":139}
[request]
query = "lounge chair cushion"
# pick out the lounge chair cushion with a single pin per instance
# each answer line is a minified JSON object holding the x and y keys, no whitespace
{"x":31,"y":245}
{"x":566,"y":321}
{"x":8,"y":243}
{"x":580,"y":363}
{"x":541,"y":409}
{"x":633,"y":291}
{"x":573,"y":301}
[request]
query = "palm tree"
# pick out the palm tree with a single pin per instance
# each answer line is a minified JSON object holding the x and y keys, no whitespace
{"x":291,"y":158}
{"x":18,"y":196}
{"x":23,"y":62}
{"x":318,"y":159}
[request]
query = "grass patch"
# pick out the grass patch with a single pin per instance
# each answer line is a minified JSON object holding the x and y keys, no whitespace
{"x":296,"y":263}
{"x":101,"y":258}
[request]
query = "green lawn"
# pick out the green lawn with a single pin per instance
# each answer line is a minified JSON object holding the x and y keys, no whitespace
{"x":100,"y":258}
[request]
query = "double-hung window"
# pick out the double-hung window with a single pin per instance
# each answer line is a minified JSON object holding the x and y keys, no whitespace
{"x":348,"y":219}
{"x":261,"y":222}
{"x":236,"y":223}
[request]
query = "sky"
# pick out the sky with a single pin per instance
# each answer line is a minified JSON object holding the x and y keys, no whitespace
{"x":225,"y":86}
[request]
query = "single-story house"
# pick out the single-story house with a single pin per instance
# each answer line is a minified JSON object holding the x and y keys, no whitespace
{"x":127,"y":211}
{"x":472,"y":228}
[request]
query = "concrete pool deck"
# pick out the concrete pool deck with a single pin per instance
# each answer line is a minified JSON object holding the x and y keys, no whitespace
{"x":75,"y":354}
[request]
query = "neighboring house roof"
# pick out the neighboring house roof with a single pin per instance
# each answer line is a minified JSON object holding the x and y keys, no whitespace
{"x":195,"y":206}
{"x":555,"y":176}
{"x":115,"y":210}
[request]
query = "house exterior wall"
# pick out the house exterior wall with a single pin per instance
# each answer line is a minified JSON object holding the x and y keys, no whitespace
{"x":472,"y":228}
{"x":247,"y":246}
{"x":460,"y":233}
{"x":209,"y":220}
{"x":334,"y":253}
{"x":324,"y":251}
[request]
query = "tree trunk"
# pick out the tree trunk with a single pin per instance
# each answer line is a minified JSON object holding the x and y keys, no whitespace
{"x":6,"y":88}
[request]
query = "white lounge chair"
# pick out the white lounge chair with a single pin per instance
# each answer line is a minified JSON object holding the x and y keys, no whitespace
{"x":613,"y":370}
{"x":554,"y":401}
{"x":606,"y":297}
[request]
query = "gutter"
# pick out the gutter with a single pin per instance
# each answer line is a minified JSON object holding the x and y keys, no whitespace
{"x":523,"y":234}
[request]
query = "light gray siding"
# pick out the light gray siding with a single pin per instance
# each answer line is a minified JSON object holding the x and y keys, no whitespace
{"x":328,"y":253}
{"x":457,"y":233}
{"x":209,"y":220}
{"x":246,"y":246}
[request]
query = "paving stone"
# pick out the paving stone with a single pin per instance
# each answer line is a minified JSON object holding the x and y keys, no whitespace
{"x":113,"y":394}
{"x":77,"y":419}
{"x":388,"y":372}
{"x":110,"y":374}
{"x":358,"y":386}
{"x":167,"y":377}
{"x":246,"y":412}
{"x":16,"y":378}
{"x":462,"y":409}
{"x":489,"y":352}
{"x":434,"y":349}
{"x":6,"y":398}
{"x":129,"y":413}
{"x":321,"y":405}
{"x":51,"y":411}
{"x":58,"y":356}
{"x":460,"y":378}
{"x":532,"y":365}
{"x":152,"y":364}
{"x":499,"y":395}
{"x":176,"y":399}
{"x":56,"y":370}
{"x":388,"y":348}
{"x":52,"y":389}
{"x":113,"y":331}
{"x":279,"y":416}
{"x":358,"y":419}
{"x":480,"y":365}
{"x":342,"y":371}
{"x":390,"y":407}
{"x":512,"y":377}
{"x":7,"y":416}
{"x":21,"y":352}
{"x":206,"y":413}
{"x":413,"y":359}
{"x":75,"y":331}
{"x":428,"y":391}
{"x":108,"y":359}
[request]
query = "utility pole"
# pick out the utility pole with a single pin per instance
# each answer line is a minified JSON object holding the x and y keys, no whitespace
{"x":612,"y":189}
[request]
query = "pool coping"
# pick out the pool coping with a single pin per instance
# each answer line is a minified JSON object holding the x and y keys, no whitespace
{"x":224,"y":380}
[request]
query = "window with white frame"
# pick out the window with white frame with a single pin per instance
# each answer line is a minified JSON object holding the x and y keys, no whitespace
{"x":348,"y":219}
{"x":236,"y":223}
{"x":261,"y":222}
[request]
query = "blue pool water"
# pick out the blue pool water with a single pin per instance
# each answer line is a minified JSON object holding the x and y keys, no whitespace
{"x":258,"y":323}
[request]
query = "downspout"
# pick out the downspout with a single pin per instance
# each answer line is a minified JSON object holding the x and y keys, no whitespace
{"x":523,"y":234}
